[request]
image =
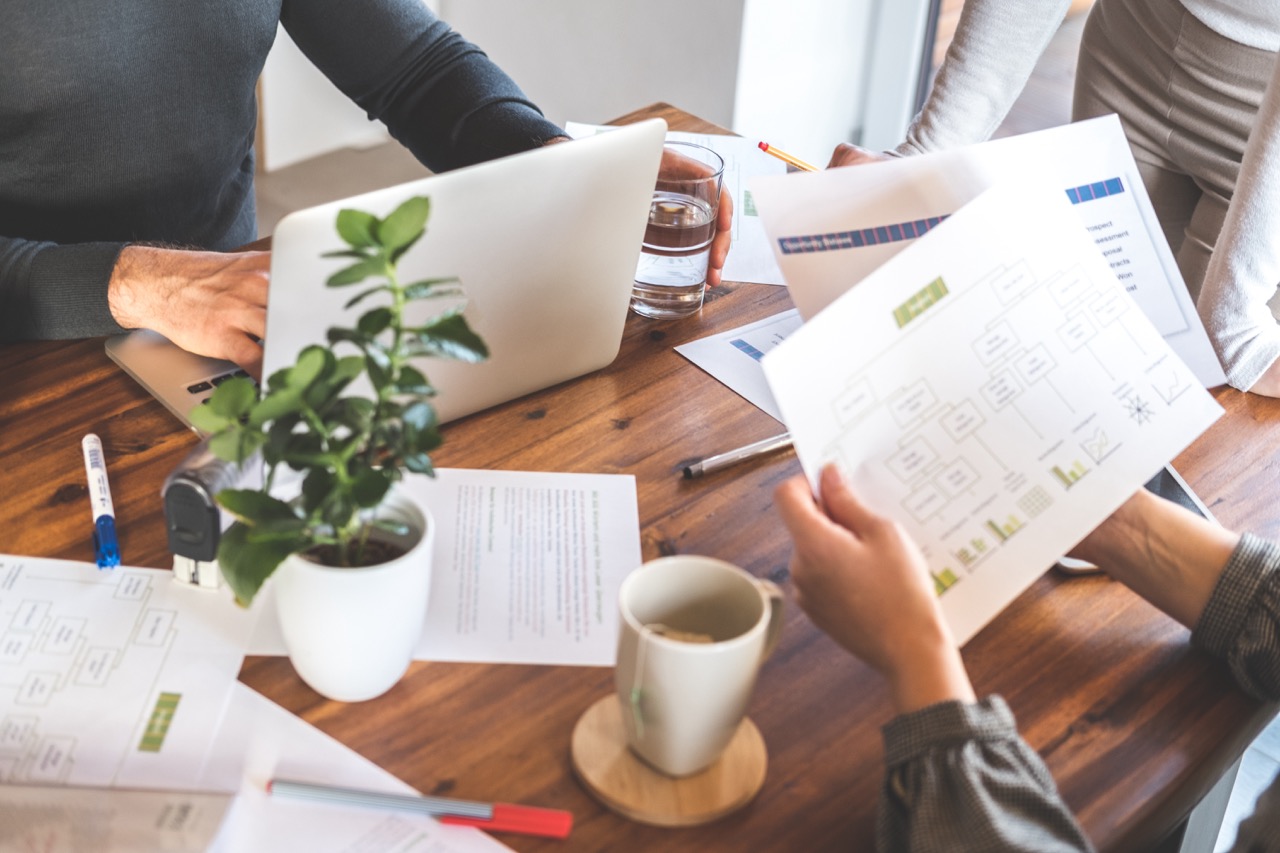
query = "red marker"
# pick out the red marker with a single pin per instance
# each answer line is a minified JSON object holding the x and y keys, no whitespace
{"x":494,"y":817}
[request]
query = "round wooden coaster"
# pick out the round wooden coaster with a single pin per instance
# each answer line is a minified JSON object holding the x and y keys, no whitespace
{"x":624,"y":783}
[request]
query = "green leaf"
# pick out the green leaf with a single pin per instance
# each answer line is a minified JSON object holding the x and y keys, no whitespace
{"x":355,"y":413}
{"x":348,"y":368}
{"x":419,"y":416}
{"x":433,"y":288}
{"x":357,"y":272}
{"x":404,"y":224}
{"x":338,"y":512}
{"x":390,"y":525}
{"x":357,"y":228}
{"x":235,"y":443}
{"x":360,"y":297}
{"x":419,"y":463}
{"x":254,"y":507}
{"x":347,"y":253}
{"x":412,"y":381}
{"x":279,"y":436}
{"x":233,"y":398}
{"x":314,"y":361}
{"x":399,"y":251}
{"x":373,"y":322}
{"x":448,"y":336}
{"x":370,"y":487}
{"x":246,"y":565}
{"x":275,"y":406}
{"x":316,"y":488}
{"x":280,"y":530}
{"x":207,"y":420}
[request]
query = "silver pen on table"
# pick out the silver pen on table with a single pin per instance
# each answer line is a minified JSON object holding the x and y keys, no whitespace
{"x":732,"y":457}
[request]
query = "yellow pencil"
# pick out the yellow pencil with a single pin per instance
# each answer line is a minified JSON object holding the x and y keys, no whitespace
{"x":787,"y":158}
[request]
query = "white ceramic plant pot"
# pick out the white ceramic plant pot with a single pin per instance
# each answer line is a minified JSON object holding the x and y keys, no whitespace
{"x":351,"y":632}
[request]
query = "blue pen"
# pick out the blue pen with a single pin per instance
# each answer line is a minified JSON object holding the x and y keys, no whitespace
{"x":106,"y":550}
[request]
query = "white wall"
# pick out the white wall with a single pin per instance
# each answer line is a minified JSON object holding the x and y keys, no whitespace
{"x":800,"y":78}
{"x":802,"y":74}
{"x":594,"y":60}
{"x":303,"y":115}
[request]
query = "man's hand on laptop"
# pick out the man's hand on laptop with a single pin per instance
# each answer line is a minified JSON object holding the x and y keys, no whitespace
{"x":208,"y":303}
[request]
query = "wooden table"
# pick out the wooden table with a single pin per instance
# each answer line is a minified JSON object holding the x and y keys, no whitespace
{"x":1134,"y":724}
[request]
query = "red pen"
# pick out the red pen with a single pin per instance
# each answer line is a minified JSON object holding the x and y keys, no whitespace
{"x":494,"y":817}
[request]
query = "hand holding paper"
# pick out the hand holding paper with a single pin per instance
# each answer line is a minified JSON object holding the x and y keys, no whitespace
{"x":994,"y":389}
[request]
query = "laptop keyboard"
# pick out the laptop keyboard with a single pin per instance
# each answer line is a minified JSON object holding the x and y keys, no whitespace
{"x":205,"y":388}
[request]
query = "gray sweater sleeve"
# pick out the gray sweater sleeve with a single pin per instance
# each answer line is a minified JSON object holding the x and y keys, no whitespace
{"x":52,"y":292}
{"x":961,"y":779}
{"x":1241,"y":622}
{"x":438,"y":93}
{"x":995,"y":49}
{"x":1244,"y":269}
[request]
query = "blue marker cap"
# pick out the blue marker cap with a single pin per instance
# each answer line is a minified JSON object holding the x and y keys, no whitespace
{"x":104,"y":542}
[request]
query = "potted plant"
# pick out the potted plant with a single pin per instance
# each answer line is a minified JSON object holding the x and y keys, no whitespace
{"x":353,"y":553}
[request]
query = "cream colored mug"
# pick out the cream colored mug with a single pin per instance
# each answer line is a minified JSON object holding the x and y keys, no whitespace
{"x":694,"y":631}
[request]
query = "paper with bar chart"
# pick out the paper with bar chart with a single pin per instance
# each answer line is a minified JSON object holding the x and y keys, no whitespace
{"x":830,"y":229}
{"x":993,"y":388}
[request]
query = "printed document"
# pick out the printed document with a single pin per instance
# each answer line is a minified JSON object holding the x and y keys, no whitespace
{"x":107,"y":820}
{"x":733,"y":357}
{"x":994,"y":388}
{"x":260,"y":741}
{"x":110,"y":677}
{"x":831,"y":229}
{"x":526,"y":567}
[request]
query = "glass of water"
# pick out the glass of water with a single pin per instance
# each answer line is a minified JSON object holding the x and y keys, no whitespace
{"x":672,"y":271}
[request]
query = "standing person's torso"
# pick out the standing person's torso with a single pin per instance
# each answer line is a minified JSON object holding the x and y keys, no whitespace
{"x":130,"y":120}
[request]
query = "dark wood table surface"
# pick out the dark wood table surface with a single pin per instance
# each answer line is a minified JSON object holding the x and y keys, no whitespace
{"x":1133,"y":723}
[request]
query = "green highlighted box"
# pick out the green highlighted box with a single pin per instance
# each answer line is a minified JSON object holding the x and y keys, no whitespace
{"x":920,"y":302}
{"x":158,"y":725}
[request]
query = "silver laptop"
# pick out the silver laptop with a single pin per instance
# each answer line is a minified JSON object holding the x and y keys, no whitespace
{"x":544,"y":243}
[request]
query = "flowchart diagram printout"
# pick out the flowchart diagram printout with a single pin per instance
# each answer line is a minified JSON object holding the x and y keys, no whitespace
{"x":993,"y":388}
{"x":110,"y":678}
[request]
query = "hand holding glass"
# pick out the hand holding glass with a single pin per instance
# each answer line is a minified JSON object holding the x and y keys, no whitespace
{"x":672,"y":272}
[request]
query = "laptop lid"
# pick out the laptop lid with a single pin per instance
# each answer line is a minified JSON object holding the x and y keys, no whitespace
{"x":545,"y":245}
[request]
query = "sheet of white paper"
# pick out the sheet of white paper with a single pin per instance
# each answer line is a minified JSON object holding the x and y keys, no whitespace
{"x":750,"y":255}
{"x":833,"y":228}
{"x":107,"y":820}
{"x":733,"y":357}
{"x":526,"y":568}
{"x":110,"y":678}
{"x":260,"y":741}
{"x":995,"y":389}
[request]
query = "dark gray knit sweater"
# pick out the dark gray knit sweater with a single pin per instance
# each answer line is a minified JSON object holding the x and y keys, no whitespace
{"x":133,"y":121}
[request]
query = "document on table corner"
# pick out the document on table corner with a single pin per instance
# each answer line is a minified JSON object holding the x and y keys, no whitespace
{"x":260,"y":741}
{"x":995,"y":389}
{"x":115,"y":678}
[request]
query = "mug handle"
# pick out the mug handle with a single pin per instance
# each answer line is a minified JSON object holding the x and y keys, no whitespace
{"x":774,"y":632}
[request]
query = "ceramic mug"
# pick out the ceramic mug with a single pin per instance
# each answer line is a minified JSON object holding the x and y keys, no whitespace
{"x":694,"y":631}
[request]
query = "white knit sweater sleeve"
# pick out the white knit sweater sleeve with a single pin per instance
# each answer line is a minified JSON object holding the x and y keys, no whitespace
{"x":996,"y":46}
{"x":1245,"y":267}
